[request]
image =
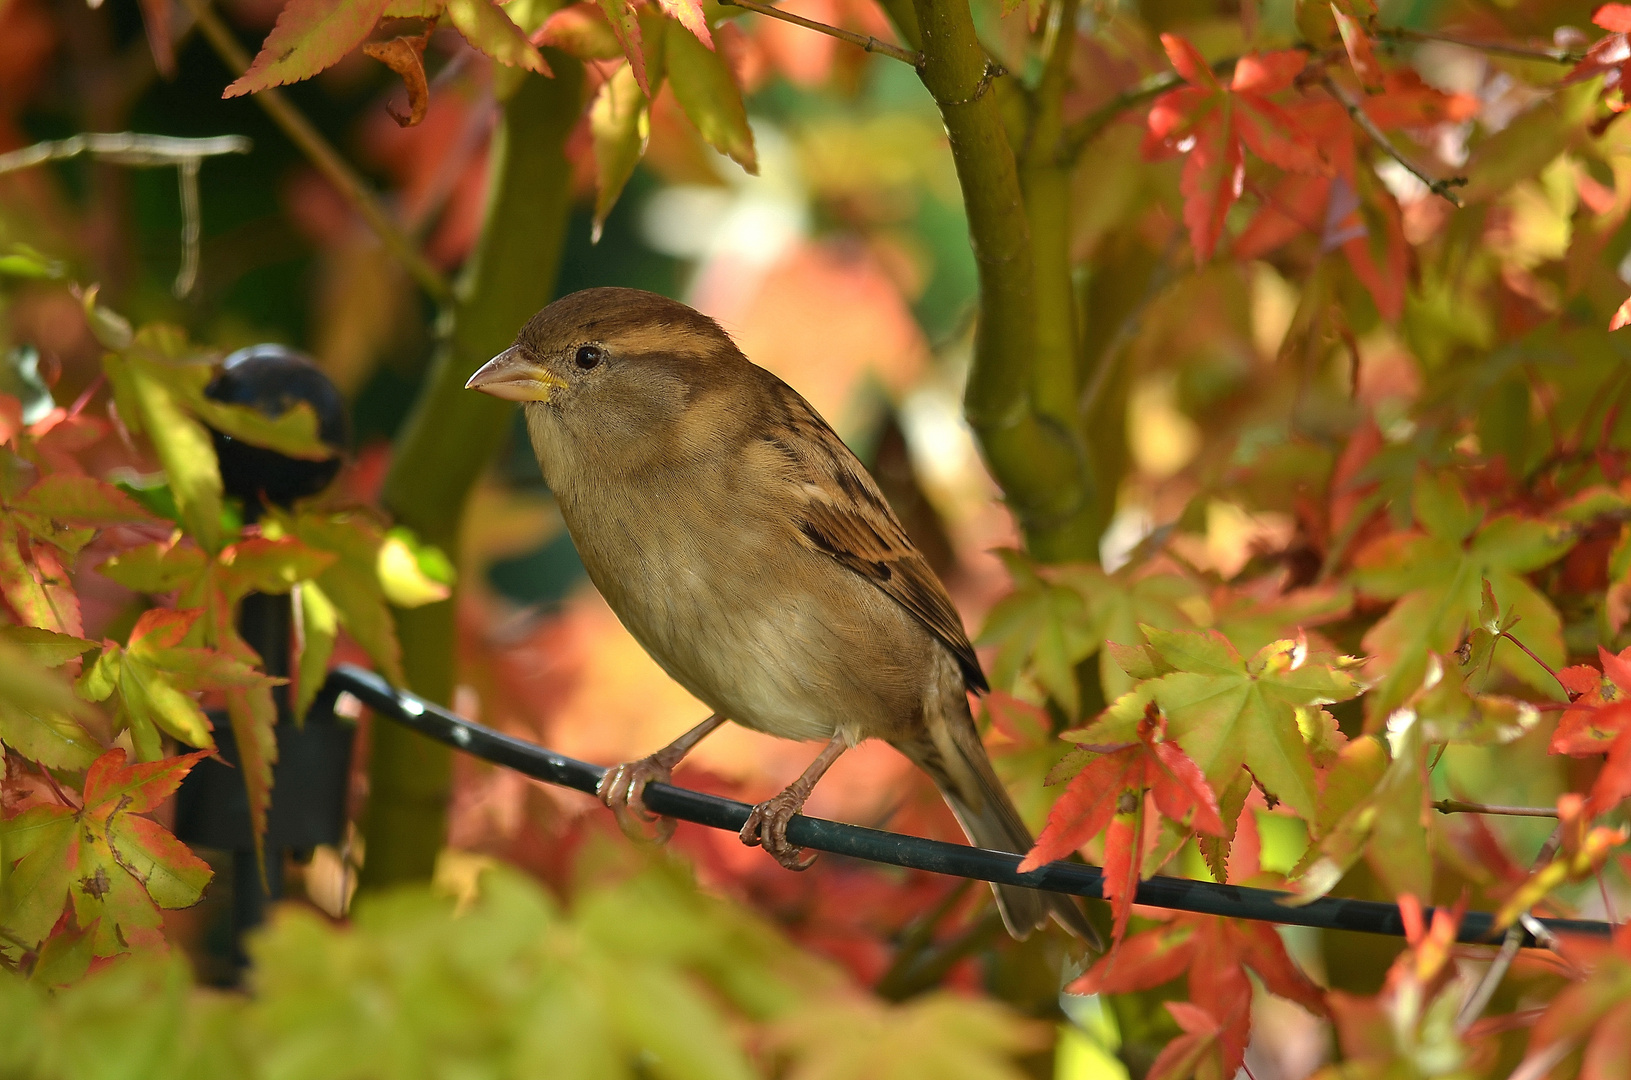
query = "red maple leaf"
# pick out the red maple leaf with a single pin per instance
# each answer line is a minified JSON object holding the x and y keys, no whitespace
{"x":1599,"y":719}
{"x":1610,"y":56}
{"x":1108,"y":794}
{"x":1213,"y":125}
{"x":1215,"y":953}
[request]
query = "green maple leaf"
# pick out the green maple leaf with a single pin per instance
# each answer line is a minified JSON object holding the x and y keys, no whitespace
{"x":115,"y":867}
{"x":39,"y":714}
{"x":707,"y":90}
{"x":158,"y":382}
{"x":1231,"y":714}
{"x":154,"y":676}
{"x":1374,"y":804}
{"x":1436,"y":575}
{"x":351,"y":582}
{"x":1056,"y":617}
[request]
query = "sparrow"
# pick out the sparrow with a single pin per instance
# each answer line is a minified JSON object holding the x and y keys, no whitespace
{"x":752,"y":555}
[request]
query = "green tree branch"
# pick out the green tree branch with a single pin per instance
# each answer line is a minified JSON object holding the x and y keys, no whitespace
{"x":1035,"y":455}
{"x":452,"y":434}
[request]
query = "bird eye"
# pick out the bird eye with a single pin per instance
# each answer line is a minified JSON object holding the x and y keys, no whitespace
{"x":589,"y":356}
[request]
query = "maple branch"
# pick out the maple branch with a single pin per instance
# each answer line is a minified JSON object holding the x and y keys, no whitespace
{"x":510,"y":274}
{"x":1441,"y":188}
{"x":1456,"y":806}
{"x":1037,"y":459}
{"x":1499,"y":48}
{"x":328,"y":160}
{"x":129,"y":148}
{"x":865,"y":41}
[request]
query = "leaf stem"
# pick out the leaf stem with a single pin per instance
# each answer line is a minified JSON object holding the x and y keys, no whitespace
{"x":1499,"y":48}
{"x":328,"y":160}
{"x":1441,"y":188}
{"x":1457,"y":806}
{"x":1507,"y":633}
{"x":865,"y":41}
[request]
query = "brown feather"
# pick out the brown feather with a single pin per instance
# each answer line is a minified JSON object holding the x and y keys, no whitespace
{"x":843,"y":515}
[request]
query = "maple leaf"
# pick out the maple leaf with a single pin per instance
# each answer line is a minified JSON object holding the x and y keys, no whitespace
{"x":310,"y":35}
{"x":1435,"y":574}
{"x":1609,"y":56}
{"x":1373,"y":804}
{"x":351,"y":582}
{"x":706,"y":88}
{"x":113,"y":867}
{"x":1214,"y":125}
{"x":1357,"y":43}
{"x":1405,"y":101}
{"x":42,"y":530}
{"x":1413,"y":1018}
{"x":1197,"y":1052}
{"x":1058,"y":616}
{"x":40,"y":717}
{"x":1595,"y":1011}
{"x":154,"y":675}
{"x":405,"y":55}
{"x":619,"y":128}
{"x":1599,"y":711}
{"x":1230,"y":714}
{"x":213,"y":585}
{"x":1108,"y":792}
{"x":1581,"y":854}
{"x":1214,"y":953}
{"x":489,"y":28}
{"x":625,"y":22}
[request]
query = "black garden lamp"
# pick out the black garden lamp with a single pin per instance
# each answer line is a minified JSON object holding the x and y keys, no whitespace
{"x":314,"y":758}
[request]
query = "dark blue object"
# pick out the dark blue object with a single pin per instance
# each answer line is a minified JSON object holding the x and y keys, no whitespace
{"x":309,"y":781}
{"x":936,"y":856}
{"x":273,"y":379}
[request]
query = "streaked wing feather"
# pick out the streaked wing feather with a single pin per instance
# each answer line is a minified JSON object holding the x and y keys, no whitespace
{"x":846,"y":517}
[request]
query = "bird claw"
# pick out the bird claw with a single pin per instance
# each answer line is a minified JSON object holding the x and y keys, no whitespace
{"x":767,"y":827}
{"x":622,"y":789}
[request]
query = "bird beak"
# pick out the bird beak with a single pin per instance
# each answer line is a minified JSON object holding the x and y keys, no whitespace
{"x":513,"y":376}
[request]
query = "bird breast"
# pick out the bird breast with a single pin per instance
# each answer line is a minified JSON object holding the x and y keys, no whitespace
{"x":710,"y":576}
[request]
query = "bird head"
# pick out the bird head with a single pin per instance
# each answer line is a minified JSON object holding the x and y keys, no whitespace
{"x":616,"y":375}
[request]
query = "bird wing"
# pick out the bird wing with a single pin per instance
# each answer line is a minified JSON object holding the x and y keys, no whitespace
{"x":842,"y":514}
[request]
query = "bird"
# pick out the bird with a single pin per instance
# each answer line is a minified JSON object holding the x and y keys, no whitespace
{"x":751,"y":554}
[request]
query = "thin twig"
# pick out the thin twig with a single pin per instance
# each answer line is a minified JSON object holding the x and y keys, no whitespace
{"x":191,"y":229}
{"x":1441,"y":188}
{"x":125,"y":148}
{"x":870,"y":44}
{"x":1500,"y":48}
{"x":1475,"y":1005}
{"x":130,"y":148}
{"x":1456,"y":806}
{"x":325,"y":157}
{"x":1540,"y":1062}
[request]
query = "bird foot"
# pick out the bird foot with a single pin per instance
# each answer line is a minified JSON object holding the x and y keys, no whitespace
{"x":623,"y":788}
{"x":767,"y":826}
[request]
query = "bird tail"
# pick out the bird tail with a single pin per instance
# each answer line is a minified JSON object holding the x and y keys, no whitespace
{"x":954,"y":758}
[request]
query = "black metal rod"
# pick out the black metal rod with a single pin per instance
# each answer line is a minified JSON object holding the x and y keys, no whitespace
{"x":873,"y":845}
